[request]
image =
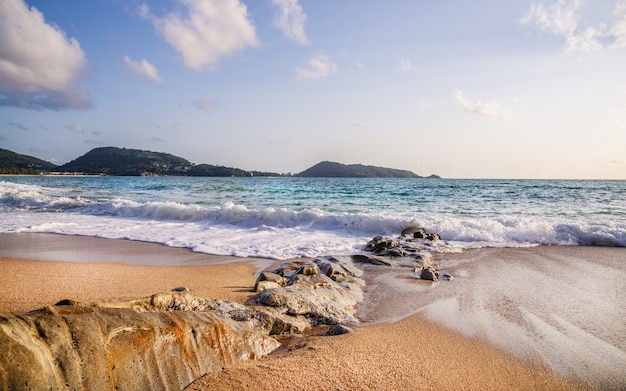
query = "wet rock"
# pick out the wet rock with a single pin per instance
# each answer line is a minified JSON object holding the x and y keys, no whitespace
{"x":429,"y":273}
{"x":154,"y":343}
{"x":263,"y":285}
{"x":338,"y":329}
{"x":447,"y":277}
{"x":410,"y":232}
{"x":433,"y":237}
{"x":310,"y":269}
{"x":379,"y":243}
{"x":318,"y":298}
{"x":180,"y":289}
{"x":265,"y":278}
{"x":371,"y":259}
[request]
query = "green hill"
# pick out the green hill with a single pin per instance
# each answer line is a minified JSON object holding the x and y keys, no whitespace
{"x":135,"y":162}
{"x":131,"y":162}
{"x":14,"y":163}
{"x":337,"y":170}
{"x":220,"y":171}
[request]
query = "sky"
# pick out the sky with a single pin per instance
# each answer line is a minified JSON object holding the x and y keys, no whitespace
{"x":480,"y":89}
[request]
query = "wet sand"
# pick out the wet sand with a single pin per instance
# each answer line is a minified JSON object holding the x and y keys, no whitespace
{"x":447,"y":342}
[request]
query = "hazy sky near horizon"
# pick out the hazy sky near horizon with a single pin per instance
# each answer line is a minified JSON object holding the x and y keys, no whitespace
{"x":482,"y":89}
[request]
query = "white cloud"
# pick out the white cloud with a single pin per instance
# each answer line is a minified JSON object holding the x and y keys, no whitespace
{"x":40,"y":67}
{"x":318,"y":67}
{"x":290,"y":19}
{"x":406,"y":66}
{"x":143,"y":68}
{"x":619,"y":27}
{"x":206,"y":105}
{"x":561,"y":19}
{"x":489,"y":110}
{"x":209,"y":30}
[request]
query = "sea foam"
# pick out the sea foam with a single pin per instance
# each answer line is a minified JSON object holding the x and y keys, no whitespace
{"x":273,"y":231}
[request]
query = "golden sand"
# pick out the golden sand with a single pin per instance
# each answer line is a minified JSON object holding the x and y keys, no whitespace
{"x":410,"y":354}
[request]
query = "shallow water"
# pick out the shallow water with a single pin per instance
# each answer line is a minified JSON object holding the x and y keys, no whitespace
{"x":562,"y":306}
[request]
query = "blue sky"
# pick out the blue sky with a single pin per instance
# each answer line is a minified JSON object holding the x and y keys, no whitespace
{"x":483,"y":89}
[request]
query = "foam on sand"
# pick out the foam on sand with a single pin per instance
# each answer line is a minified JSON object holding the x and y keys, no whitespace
{"x":560,"y":306}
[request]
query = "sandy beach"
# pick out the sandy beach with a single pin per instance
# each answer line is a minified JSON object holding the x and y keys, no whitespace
{"x":475,"y":332}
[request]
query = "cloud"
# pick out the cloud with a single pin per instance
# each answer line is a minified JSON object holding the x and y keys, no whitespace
{"x":361,"y":124}
{"x":143,"y":68}
{"x":489,"y":110}
{"x":209,"y":30}
{"x":406,"y":66}
{"x":619,"y":27}
{"x":290,"y":19}
{"x":40,"y":67}
{"x":206,"y":105}
{"x":561,"y":19}
{"x":76,"y":128}
{"x":319,"y":67}
{"x":17,"y":125}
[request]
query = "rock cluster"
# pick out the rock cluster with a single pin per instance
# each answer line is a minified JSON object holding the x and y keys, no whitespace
{"x":325,"y":290}
{"x":406,"y":250}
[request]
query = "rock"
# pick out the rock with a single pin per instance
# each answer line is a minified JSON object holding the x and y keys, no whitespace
{"x":318,"y":298}
{"x":419,"y":233}
{"x":269,"y":277}
{"x":338,"y":329}
{"x":371,"y":259}
{"x":297,"y":278}
{"x":433,"y":237}
{"x":330,"y":269}
{"x":310,"y":269}
{"x":429,"y":273}
{"x":318,"y":306}
{"x":153,"y":343}
{"x":287,"y":269}
{"x":413,"y":232}
{"x":180,"y":289}
{"x":263,"y":285}
{"x":447,"y":277}
{"x":273,"y":277}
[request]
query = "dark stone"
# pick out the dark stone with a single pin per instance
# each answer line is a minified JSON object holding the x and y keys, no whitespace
{"x":413,"y":232}
{"x":429,"y":273}
{"x":339,"y":329}
{"x":371,"y":259}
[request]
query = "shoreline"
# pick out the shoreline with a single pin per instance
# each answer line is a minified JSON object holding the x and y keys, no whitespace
{"x":417,"y":348}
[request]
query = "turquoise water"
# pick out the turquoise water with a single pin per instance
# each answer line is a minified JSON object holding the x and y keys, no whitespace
{"x":286,"y":217}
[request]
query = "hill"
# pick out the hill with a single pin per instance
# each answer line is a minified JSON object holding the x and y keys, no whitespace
{"x":337,"y":170}
{"x":220,"y":171}
{"x":131,"y":162}
{"x":14,"y":163}
{"x":134,"y":162}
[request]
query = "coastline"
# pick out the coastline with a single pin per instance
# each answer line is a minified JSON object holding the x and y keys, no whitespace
{"x":407,"y":352}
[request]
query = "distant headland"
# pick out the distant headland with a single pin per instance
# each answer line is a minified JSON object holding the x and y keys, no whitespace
{"x":116,"y":161}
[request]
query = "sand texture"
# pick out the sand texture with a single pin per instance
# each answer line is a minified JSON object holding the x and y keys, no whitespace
{"x":387,"y":352}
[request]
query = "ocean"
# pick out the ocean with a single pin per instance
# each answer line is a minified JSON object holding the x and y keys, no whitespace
{"x":282,"y":218}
